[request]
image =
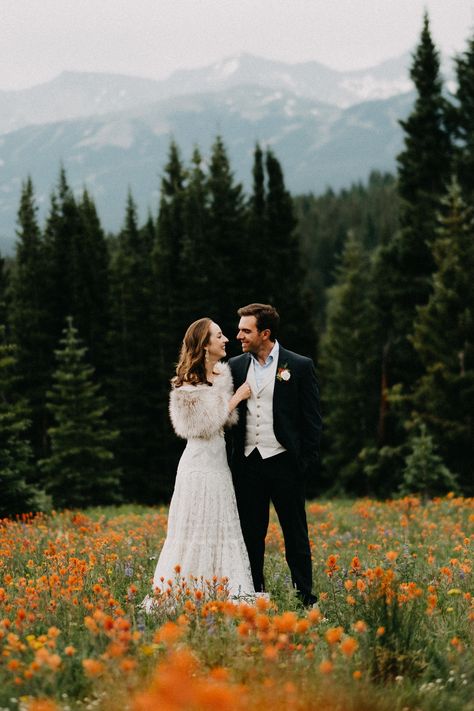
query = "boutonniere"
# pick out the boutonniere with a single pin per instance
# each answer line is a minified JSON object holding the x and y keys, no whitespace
{"x":283,"y":373}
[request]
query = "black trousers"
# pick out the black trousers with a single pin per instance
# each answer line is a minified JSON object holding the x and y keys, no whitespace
{"x":258,"y":481}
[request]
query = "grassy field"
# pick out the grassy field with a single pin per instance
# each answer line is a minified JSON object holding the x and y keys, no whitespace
{"x":392,"y":632}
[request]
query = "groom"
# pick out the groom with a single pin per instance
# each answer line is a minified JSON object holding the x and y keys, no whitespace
{"x":275,"y":445}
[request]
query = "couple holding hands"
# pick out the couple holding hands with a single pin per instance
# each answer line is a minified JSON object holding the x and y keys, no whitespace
{"x":267,"y":401}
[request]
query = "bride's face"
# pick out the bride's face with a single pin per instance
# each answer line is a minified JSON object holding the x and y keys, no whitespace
{"x":217,"y":343}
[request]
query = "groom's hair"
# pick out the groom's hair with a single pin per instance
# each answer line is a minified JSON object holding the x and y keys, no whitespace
{"x":266,"y":315}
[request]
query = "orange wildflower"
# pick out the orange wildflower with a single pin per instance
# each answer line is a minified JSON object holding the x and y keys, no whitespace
{"x":349,"y":646}
{"x":334,"y":634}
{"x":42,"y":705}
{"x":270,"y":652}
{"x":286,"y":622}
{"x":326,"y":667}
{"x":331,"y":565}
{"x":360,"y":626}
{"x":262,"y":603}
{"x":168,"y":633}
{"x":93,"y":667}
{"x":355,"y":565}
{"x":315,"y":616}
{"x":128,"y":664}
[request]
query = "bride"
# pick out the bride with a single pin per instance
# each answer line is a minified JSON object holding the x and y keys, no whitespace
{"x":204,"y":536}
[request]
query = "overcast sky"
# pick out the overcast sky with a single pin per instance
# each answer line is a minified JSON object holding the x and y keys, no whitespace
{"x":151,"y":38}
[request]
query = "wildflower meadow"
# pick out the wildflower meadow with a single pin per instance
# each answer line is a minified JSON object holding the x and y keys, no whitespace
{"x":391,"y":631}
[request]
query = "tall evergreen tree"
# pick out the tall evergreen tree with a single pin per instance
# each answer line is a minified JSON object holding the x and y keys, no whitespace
{"x":92,"y":318}
{"x":404,"y":266}
{"x":227,"y":288}
{"x":195,"y":256}
{"x":16,"y":460}
{"x":3,"y":291}
{"x":77,"y":262}
{"x":135,"y":384}
{"x":444,"y":341}
{"x":167,"y":259}
{"x":63,"y":244}
{"x":464,"y":120}
{"x":283,"y":262}
{"x":258,"y":253}
{"x":30,"y":315}
{"x":80,"y":470}
{"x":349,"y":370}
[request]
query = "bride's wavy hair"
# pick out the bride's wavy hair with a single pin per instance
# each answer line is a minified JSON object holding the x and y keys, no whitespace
{"x":191,"y":368}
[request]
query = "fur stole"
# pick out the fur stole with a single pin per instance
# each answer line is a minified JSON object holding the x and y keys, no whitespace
{"x":202,"y":410}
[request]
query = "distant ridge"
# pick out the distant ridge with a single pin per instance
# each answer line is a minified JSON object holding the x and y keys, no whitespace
{"x":77,"y":94}
{"x":319,"y":145}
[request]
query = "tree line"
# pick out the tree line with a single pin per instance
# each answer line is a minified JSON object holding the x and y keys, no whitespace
{"x":375,"y":282}
{"x":82,"y":309}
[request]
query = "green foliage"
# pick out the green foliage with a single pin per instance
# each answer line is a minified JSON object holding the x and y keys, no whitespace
{"x":3,"y":291}
{"x":16,"y":461}
{"x":227,"y":289}
{"x":368,"y":212}
{"x":403,"y":267}
{"x":463,"y":119}
{"x":350,"y":376}
{"x":406,"y":263}
{"x":135,"y":383}
{"x":80,"y":469}
{"x":444,"y":340}
{"x":30,"y":318}
{"x":425,"y":472}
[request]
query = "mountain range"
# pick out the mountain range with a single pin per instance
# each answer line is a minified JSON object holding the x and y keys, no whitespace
{"x":112,"y":132}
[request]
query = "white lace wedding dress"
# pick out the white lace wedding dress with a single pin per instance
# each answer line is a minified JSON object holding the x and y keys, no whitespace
{"x":204,"y":536}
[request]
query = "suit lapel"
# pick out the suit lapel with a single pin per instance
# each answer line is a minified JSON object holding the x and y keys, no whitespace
{"x":242,"y":368}
{"x":279,"y":384}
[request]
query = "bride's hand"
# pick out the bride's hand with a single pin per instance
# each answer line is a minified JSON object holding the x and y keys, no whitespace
{"x":242,"y":393}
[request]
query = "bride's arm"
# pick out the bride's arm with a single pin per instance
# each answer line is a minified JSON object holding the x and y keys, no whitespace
{"x":198,"y":412}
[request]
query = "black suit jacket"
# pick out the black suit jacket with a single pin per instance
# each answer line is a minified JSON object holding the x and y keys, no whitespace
{"x":296,"y":410}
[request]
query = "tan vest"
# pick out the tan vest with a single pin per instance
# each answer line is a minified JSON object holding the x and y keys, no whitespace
{"x":259,"y":431}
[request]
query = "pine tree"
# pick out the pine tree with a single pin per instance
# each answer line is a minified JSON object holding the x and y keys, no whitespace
{"x":16,"y":460}
{"x":258,"y":254}
{"x":404,"y":266}
{"x":167,"y":260}
{"x":3,"y":292}
{"x":30,"y":315}
{"x":92,"y":318}
{"x":227,"y":247}
{"x":425,"y":472}
{"x":62,"y":242}
{"x":464,"y":120}
{"x":444,"y":341}
{"x":135,"y":383}
{"x":196,"y":255}
{"x":349,"y":372}
{"x":77,"y":262}
{"x":80,"y":470}
{"x":283,"y":263}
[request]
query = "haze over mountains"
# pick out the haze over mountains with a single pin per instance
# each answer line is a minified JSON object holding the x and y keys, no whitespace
{"x":112,"y":132}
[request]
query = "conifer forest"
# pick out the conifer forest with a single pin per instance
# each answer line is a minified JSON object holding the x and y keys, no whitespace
{"x":375,"y":283}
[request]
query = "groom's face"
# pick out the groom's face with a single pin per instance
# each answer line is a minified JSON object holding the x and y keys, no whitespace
{"x":251,"y":339}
